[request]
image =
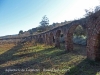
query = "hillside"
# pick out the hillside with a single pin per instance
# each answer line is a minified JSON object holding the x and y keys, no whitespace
{"x":34,"y":30}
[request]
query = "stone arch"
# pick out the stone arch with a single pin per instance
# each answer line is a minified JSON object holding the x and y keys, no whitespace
{"x":43,"y":38}
{"x":36,"y":38}
{"x":47,"y":38}
{"x":58,"y":32}
{"x":40,"y":38}
{"x":57,"y":37}
{"x":30,"y":38}
{"x":51,"y":37}
{"x":69,"y":37}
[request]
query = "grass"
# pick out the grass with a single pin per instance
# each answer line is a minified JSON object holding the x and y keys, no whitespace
{"x":39,"y":59}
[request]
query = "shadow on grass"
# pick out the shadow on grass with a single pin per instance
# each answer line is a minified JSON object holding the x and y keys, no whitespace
{"x":86,"y":67}
{"x":35,"y":62}
{"x":8,"y":56}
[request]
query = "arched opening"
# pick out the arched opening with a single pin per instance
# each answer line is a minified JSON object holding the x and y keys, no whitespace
{"x":51,"y":37}
{"x":79,"y":35}
{"x":76,"y":36}
{"x":40,"y":39}
{"x":59,"y":38}
{"x":47,"y":39}
{"x":79,"y":39}
{"x":62,"y":38}
{"x":43,"y":37}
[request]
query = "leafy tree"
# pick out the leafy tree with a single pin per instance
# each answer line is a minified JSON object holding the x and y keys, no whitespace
{"x":30,"y":31}
{"x":79,"y":31}
{"x":54,"y":24}
{"x":43,"y":24}
{"x":21,"y":32}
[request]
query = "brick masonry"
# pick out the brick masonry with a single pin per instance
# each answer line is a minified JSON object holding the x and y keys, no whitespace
{"x":52,"y":37}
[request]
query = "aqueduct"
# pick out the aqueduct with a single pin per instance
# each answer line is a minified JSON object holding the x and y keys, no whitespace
{"x":52,"y":36}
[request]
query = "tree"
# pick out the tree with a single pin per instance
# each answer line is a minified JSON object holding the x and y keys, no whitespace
{"x":79,"y":31}
{"x":43,"y":24}
{"x":21,"y":32}
{"x":90,"y":12}
{"x":54,"y":24}
{"x":30,"y":31}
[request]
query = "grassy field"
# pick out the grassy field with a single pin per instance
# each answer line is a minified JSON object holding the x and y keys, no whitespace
{"x":45,"y":60}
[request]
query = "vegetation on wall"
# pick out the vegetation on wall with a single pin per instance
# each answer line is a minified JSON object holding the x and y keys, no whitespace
{"x":92,"y":12}
{"x":21,"y":32}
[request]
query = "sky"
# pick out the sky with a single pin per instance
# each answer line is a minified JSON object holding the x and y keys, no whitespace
{"x":16,"y":15}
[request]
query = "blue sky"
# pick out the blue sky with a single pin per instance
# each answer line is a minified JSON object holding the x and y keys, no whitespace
{"x":16,"y":15}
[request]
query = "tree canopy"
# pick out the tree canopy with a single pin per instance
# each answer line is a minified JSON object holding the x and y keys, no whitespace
{"x":43,"y":24}
{"x":21,"y":32}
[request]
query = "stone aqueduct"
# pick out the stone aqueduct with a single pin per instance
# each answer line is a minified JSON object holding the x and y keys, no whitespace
{"x":93,"y":36}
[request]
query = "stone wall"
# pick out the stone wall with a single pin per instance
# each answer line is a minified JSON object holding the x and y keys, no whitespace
{"x":93,"y":40}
